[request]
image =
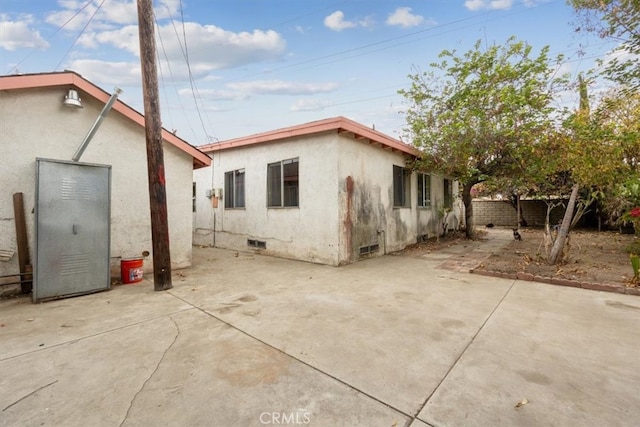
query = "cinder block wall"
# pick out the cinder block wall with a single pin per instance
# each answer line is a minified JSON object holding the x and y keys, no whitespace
{"x":501,"y":213}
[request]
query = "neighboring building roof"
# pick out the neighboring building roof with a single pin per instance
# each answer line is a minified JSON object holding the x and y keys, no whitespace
{"x":337,"y":124}
{"x":70,"y":78}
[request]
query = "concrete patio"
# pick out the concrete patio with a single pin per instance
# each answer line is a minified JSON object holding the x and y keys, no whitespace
{"x":250,"y":340}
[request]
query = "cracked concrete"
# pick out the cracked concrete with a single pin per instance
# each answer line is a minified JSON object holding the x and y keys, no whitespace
{"x":154,"y":371}
{"x":392,"y":341}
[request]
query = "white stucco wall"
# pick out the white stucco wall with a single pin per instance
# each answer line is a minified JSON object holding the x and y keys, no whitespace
{"x":308,"y":232}
{"x":35,"y":124}
{"x":374,"y":218}
{"x":430,"y":220}
{"x":371,"y":212}
{"x":346,"y":201}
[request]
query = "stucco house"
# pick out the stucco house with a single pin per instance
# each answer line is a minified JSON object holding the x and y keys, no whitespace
{"x":36,"y":124}
{"x":331,"y":191}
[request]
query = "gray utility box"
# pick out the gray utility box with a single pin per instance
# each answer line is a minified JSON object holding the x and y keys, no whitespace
{"x":72,"y":229}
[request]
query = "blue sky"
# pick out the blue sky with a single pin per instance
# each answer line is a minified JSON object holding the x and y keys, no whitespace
{"x":258,"y":65}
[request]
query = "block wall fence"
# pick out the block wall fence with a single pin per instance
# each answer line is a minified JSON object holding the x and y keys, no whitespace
{"x":502,"y":213}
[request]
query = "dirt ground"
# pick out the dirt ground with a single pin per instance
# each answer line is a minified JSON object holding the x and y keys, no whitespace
{"x":598,"y":257}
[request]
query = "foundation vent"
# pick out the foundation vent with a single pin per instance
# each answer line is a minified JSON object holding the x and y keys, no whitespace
{"x":257,"y":244}
{"x":367,"y":250}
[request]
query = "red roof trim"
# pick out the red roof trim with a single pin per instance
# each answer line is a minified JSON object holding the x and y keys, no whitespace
{"x":70,"y":78}
{"x":339,"y":124}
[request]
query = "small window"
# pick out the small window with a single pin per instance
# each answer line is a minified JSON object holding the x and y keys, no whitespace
{"x":234,"y":189}
{"x":424,"y":190}
{"x":401,"y":186}
{"x":193,"y":198}
{"x":282,"y":184}
{"x":448,"y":193}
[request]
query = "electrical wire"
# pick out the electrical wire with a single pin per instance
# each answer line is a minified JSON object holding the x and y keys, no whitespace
{"x":194,"y":89}
{"x":173,"y":80}
{"x":51,"y":36}
{"x":80,"y":35}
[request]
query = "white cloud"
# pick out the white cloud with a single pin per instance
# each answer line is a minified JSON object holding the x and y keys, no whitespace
{"x":488,"y":4}
{"x":500,"y":4}
{"x":125,"y":38}
{"x":116,"y":73}
{"x":18,"y":34}
{"x":244,"y":90}
{"x":336,"y":22}
{"x":209,"y":47}
{"x":403,"y":17}
{"x":534,"y":3}
{"x":114,"y":13}
{"x":310,"y":105}
{"x":279,"y":87}
{"x":217,"y":48}
{"x":213,"y":94}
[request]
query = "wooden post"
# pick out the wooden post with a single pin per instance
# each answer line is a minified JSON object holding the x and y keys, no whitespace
{"x":22,"y":241}
{"x":155,"y":155}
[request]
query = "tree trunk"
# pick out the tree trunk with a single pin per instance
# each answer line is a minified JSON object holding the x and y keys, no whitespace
{"x":468,"y":208}
{"x":514,"y":201}
{"x":558,"y":245}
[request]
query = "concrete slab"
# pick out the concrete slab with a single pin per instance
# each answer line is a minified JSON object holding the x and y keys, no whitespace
{"x":389,"y":334}
{"x":571,"y":353}
{"x":194,"y":371}
{"x":27,"y":327}
{"x":88,"y":381}
{"x":244,"y":340}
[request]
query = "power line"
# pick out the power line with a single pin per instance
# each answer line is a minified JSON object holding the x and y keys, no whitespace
{"x":79,"y":35}
{"x":185,"y":55}
{"x":191,"y":79}
{"x":51,"y":36}
{"x":173,"y":80}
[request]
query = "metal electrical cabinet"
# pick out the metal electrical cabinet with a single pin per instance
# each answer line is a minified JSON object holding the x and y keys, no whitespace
{"x":72,"y":232}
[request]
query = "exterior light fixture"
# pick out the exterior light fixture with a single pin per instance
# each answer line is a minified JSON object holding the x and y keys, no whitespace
{"x":72,"y":100}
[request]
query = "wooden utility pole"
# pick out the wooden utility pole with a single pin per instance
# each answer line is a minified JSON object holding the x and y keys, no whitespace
{"x":155,"y":155}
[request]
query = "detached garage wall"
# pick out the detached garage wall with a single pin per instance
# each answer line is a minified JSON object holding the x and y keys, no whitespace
{"x":35,"y":124}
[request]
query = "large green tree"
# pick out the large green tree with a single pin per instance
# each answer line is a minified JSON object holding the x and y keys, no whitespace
{"x":479,"y":116}
{"x":618,"y":20}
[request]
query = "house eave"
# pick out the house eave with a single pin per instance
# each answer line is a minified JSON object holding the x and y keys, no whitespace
{"x":340,"y":125}
{"x":73,"y":79}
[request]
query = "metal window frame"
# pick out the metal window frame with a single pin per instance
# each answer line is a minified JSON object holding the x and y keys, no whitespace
{"x":231,"y":195}
{"x":424,"y":180}
{"x":282,"y":163}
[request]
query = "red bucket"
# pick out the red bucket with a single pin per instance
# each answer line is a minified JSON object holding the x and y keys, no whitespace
{"x":131,"y":270}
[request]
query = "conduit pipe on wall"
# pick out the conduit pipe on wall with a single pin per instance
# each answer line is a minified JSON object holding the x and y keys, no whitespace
{"x":96,"y":124}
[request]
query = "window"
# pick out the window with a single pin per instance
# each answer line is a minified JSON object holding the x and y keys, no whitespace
{"x":234,"y":189}
{"x":401,"y":186}
{"x":193,"y":198}
{"x":424,"y":190}
{"x":282,"y":184}
{"x":448,"y":194}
